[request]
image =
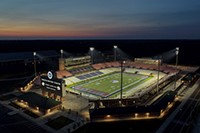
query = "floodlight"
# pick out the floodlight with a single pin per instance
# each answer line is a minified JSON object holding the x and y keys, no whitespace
{"x":124,"y":61}
{"x":61,"y":51}
{"x":91,"y":48}
{"x":115,"y":46}
{"x":34,"y":54}
{"x":177,"y":50}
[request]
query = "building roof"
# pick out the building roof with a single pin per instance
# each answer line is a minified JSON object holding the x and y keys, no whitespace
{"x":188,"y":77}
{"x":25,"y":82}
{"x":162,"y":101}
{"x":26,"y":55}
{"x":39,"y":100}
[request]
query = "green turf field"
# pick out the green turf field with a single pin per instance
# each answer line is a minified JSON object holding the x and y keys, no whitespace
{"x":109,"y":85}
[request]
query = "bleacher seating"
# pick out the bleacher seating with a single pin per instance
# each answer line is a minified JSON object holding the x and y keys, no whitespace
{"x":62,"y":74}
{"x":109,"y":67}
{"x":115,"y":64}
{"x":105,"y":65}
{"x":107,"y":70}
{"x":97,"y":66}
{"x":109,"y":64}
{"x":81,"y":70}
{"x":67,"y":81}
{"x":164,"y":69}
{"x":73,"y":79}
{"x":89,"y":75}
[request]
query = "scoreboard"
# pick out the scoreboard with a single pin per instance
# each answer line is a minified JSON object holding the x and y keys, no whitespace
{"x":52,"y":84}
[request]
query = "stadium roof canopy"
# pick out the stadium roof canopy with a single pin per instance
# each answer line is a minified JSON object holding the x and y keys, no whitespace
{"x":39,"y":100}
{"x":162,"y":101}
{"x":188,"y":77}
{"x":26,"y":55}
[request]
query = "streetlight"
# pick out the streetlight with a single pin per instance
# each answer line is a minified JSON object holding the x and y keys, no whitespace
{"x":92,"y":49}
{"x":61,"y":51}
{"x":115,"y":47}
{"x":34,"y":54}
{"x":177,"y":52}
{"x":122,"y":62}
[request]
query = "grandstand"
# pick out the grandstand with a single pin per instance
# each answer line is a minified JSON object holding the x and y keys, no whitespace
{"x":63,"y":74}
{"x":81,"y":70}
{"x":77,"y":77}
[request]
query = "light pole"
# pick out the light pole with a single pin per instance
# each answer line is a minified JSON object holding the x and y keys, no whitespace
{"x":121,"y":79}
{"x":34,"y":54}
{"x":61,"y":51}
{"x":158,"y":75}
{"x":115,"y":47}
{"x":177,"y":52}
{"x":92,"y":49}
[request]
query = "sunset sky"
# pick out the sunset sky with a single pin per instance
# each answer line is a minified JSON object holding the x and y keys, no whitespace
{"x":100,"y":19}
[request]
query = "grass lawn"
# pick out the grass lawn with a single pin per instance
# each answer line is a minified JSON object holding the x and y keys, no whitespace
{"x":3,"y":98}
{"x":59,"y":122}
{"x":108,"y":85}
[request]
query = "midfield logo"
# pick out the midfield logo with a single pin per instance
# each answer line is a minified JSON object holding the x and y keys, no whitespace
{"x":114,"y":81}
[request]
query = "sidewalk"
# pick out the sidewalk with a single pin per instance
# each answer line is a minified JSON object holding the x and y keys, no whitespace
{"x":78,"y":119}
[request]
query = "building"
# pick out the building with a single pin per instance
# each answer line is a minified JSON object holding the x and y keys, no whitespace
{"x":188,"y":78}
{"x":39,"y":102}
{"x":25,"y":58}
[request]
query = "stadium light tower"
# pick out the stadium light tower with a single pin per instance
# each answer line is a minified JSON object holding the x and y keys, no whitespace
{"x":177,"y":52}
{"x":158,"y":74}
{"x":115,"y":47}
{"x":92,"y":49}
{"x":34,"y":54}
{"x":61,"y":52}
{"x":122,"y":69}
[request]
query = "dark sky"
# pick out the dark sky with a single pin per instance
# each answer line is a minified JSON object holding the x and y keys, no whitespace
{"x":100,"y":19}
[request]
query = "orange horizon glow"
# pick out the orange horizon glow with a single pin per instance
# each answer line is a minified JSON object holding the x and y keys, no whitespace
{"x":47,"y":32}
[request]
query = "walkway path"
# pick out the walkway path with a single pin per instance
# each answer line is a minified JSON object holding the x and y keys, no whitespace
{"x":78,"y":119}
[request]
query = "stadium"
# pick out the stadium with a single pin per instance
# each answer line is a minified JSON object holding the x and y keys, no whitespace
{"x":111,"y":90}
{"x":103,"y":80}
{"x":119,"y":82}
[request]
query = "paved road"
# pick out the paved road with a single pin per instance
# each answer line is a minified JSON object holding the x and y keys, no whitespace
{"x":181,"y":118}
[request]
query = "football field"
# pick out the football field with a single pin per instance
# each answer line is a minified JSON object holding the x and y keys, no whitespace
{"x":109,"y":85}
